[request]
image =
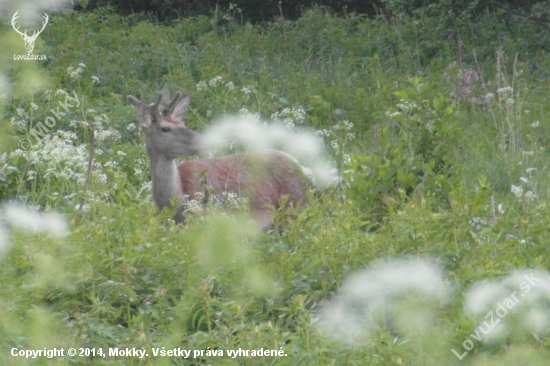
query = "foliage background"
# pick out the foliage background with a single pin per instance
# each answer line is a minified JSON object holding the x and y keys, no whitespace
{"x":438,"y":128}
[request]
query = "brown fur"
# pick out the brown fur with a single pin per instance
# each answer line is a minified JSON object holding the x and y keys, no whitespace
{"x":263,"y":179}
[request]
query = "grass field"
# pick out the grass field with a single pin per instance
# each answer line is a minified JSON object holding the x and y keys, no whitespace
{"x":430,"y":247}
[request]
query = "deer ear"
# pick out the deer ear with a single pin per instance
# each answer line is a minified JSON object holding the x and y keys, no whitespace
{"x":134,"y":101}
{"x":180,"y":110}
{"x":173,"y":103}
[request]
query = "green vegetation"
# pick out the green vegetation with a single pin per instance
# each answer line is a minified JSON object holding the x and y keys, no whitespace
{"x":440,"y":143}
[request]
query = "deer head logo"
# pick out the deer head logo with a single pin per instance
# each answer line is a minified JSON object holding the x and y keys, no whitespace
{"x":29,"y":40}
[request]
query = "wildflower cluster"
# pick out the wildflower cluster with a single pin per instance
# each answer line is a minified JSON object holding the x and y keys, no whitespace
{"x":290,"y":117}
{"x":75,"y":73}
{"x":215,"y":82}
{"x":101,"y":125}
{"x":469,"y":85}
{"x":410,"y":111}
{"x":223,"y":202}
{"x":57,"y":156}
{"x":254,"y":117}
{"x":525,"y":191}
{"x":337,"y":136}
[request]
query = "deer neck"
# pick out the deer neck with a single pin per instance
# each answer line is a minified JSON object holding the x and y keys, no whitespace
{"x":166,"y":180}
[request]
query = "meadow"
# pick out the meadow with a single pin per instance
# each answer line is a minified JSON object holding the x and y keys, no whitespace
{"x":437,"y":217}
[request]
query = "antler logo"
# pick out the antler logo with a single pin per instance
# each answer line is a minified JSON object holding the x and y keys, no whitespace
{"x":29,"y":40}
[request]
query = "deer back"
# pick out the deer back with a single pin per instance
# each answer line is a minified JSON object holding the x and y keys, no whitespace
{"x":263,"y":178}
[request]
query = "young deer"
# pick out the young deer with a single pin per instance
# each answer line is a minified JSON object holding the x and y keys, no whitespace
{"x":262,"y":178}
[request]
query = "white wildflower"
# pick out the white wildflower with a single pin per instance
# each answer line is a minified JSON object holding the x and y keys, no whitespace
{"x":524,"y":180}
{"x":75,"y":73}
{"x":335,"y":146}
{"x":111,"y":164}
{"x":19,"y":124}
{"x":48,"y":94}
{"x":517,"y":191}
{"x":500,"y":208}
{"x":478,"y":222}
{"x":95,"y":80}
{"x":530,"y":196}
{"x":322,"y":133}
{"x":218,"y":80}
{"x":201,"y":86}
{"x":121,"y":153}
{"x":507,"y":89}
{"x":85,"y":207}
{"x":31,"y":175}
{"x":290,"y":116}
{"x":102,"y":178}
{"x":392,"y":114}
{"x":230,"y":86}
{"x":535,"y":124}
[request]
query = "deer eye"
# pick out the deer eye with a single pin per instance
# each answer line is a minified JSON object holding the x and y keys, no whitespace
{"x":165,"y":129}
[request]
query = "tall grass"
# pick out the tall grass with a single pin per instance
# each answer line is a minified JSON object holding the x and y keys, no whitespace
{"x":428,"y":165}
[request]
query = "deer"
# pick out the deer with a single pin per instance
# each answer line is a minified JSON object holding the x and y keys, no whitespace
{"x":265,"y":179}
{"x":29,"y":40}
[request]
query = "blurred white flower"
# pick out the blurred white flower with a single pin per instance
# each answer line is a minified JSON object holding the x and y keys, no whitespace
{"x":517,"y":191}
{"x":201,"y":86}
{"x":4,"y":241}
{"x":369,"y":295}
{"x":248,"y":130}
{"x":230,"y":86}
{"x":504,"y":90}
{"x":27,"y":219}
{"x":290,"y":116}
{"x":218,"y":80}
{"x":530,"y":196}
{"x":517,"y":302}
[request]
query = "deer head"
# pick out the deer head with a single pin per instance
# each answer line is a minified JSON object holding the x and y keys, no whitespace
{"x":29,"y":40}
{"x":162,"y":123}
